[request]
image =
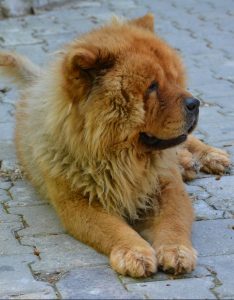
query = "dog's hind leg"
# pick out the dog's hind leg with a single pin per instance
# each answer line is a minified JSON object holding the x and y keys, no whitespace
{"x":209,"y":159}
{"x":18,"y":68}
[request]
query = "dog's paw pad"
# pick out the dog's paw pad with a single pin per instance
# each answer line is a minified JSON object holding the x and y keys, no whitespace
{"x":176,"y":259}
{"x":215,"y":161}
{"x":135,"y":262}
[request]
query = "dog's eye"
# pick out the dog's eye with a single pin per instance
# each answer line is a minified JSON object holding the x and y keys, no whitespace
{"x":152,"y":87}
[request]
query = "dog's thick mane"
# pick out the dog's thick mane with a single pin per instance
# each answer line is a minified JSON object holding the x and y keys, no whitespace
{"x":123,"y":181}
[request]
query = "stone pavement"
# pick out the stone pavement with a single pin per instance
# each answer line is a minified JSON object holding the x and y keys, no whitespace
{"x":37,"y":258}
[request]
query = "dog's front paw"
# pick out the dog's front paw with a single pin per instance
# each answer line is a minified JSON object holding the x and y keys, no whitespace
{"x":176,"y":259}
{"x":135,"y":262}
{"x":215,"y":161}
{"x":190,"y":170}
{"x":189,"y":166}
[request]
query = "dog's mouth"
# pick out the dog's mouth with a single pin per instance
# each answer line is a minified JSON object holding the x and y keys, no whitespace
{"x":192,"y":127}
{"x":155,"y":143}
{"x":158,"y":144}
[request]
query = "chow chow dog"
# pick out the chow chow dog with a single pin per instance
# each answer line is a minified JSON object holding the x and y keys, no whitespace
{"x":104,"y":133}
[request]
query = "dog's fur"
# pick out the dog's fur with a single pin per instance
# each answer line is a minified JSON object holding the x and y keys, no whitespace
{"x":77,"y":137}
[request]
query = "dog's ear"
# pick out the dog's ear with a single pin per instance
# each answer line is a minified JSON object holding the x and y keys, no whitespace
{"x":146,"y":22}
{"x":89,"y":61}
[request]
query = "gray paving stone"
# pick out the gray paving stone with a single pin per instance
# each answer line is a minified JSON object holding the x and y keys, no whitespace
{"x":93,"y":283}
{"x":4,"y":196}
{"x":8,"y":242}
{"x":213,"y":237}
{"x":58,"y":41}
{"x":191,"y":288}
{"x":5,"y":185}
{"x":14,"y":25}
{"x":215,"y":126}
{"x":46,"y":293}
{"x":201,"y":200}
{"x":217,"y":41}
{"x":14,"y":38}
{"x":204,"y":212}
{"x":6,"y":131}
{"x":16,"y":279}
{"x":23,"y":194}
{"x":222,"y":267}
{"x":96,"y":14}
{"x":221,"y":192}
{"x":196,"y":192}
{"x":186,"y":45}
{"x":40,"y":219}
{"x":8,"y":218}
{"x":223,"y":89}
{"x":62,"y":252}
{"x":196,"y":78}
{"x":6,"y":113}
{"x":224,"y":71}
{"x":66,"y":26}
{"x":211,"y":62}
{"x":225,"y":103}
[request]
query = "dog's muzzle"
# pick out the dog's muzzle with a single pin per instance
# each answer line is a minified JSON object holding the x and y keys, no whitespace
{"x":191,"y":106}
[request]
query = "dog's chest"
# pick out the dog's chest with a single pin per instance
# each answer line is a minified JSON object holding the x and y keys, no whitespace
{"x":124,"y":187}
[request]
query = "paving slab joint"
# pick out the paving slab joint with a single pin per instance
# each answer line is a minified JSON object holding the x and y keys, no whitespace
{"x":24,"y":225}
{"x":216,"y":281}
{"x":50,"y":278}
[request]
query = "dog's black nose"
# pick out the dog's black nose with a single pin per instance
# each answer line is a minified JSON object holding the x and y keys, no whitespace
{"x":191,"y":104}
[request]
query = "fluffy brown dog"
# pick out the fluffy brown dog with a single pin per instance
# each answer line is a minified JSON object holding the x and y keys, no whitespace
{"x":97,"y":133}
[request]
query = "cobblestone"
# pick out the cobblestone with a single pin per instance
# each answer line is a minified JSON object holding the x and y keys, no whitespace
{"x":191,"y":288}
{"x":6,"y":130}
{"x":222,"y":268}
{"x":37,"y":258}
{"x":204,"y":212}
{"x":93,"y":283}
{"x":16,"y":279}
{"x":221,"y":192}
{"x":40,"y":220}
{"x":4,"y":196}
{"x":61,"y":252}
{"x":23,"y":194}
{"x":9,"y":244}
{"x":214,"y":237}
{"x":7,"y":218}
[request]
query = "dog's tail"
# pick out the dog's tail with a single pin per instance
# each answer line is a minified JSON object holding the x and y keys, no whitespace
{"x":18,"y":68}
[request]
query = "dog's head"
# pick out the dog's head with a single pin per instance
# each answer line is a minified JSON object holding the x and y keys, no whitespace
{"x":128,"y":88}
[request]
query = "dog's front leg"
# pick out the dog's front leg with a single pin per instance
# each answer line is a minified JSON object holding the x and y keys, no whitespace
{"x":211,"y":160}
{"x":129,"y":253}
{"x":169,"y":230}
{"x":172,"y":228}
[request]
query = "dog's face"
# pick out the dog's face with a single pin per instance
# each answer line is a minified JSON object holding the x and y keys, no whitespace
{"x":129,"y":88}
